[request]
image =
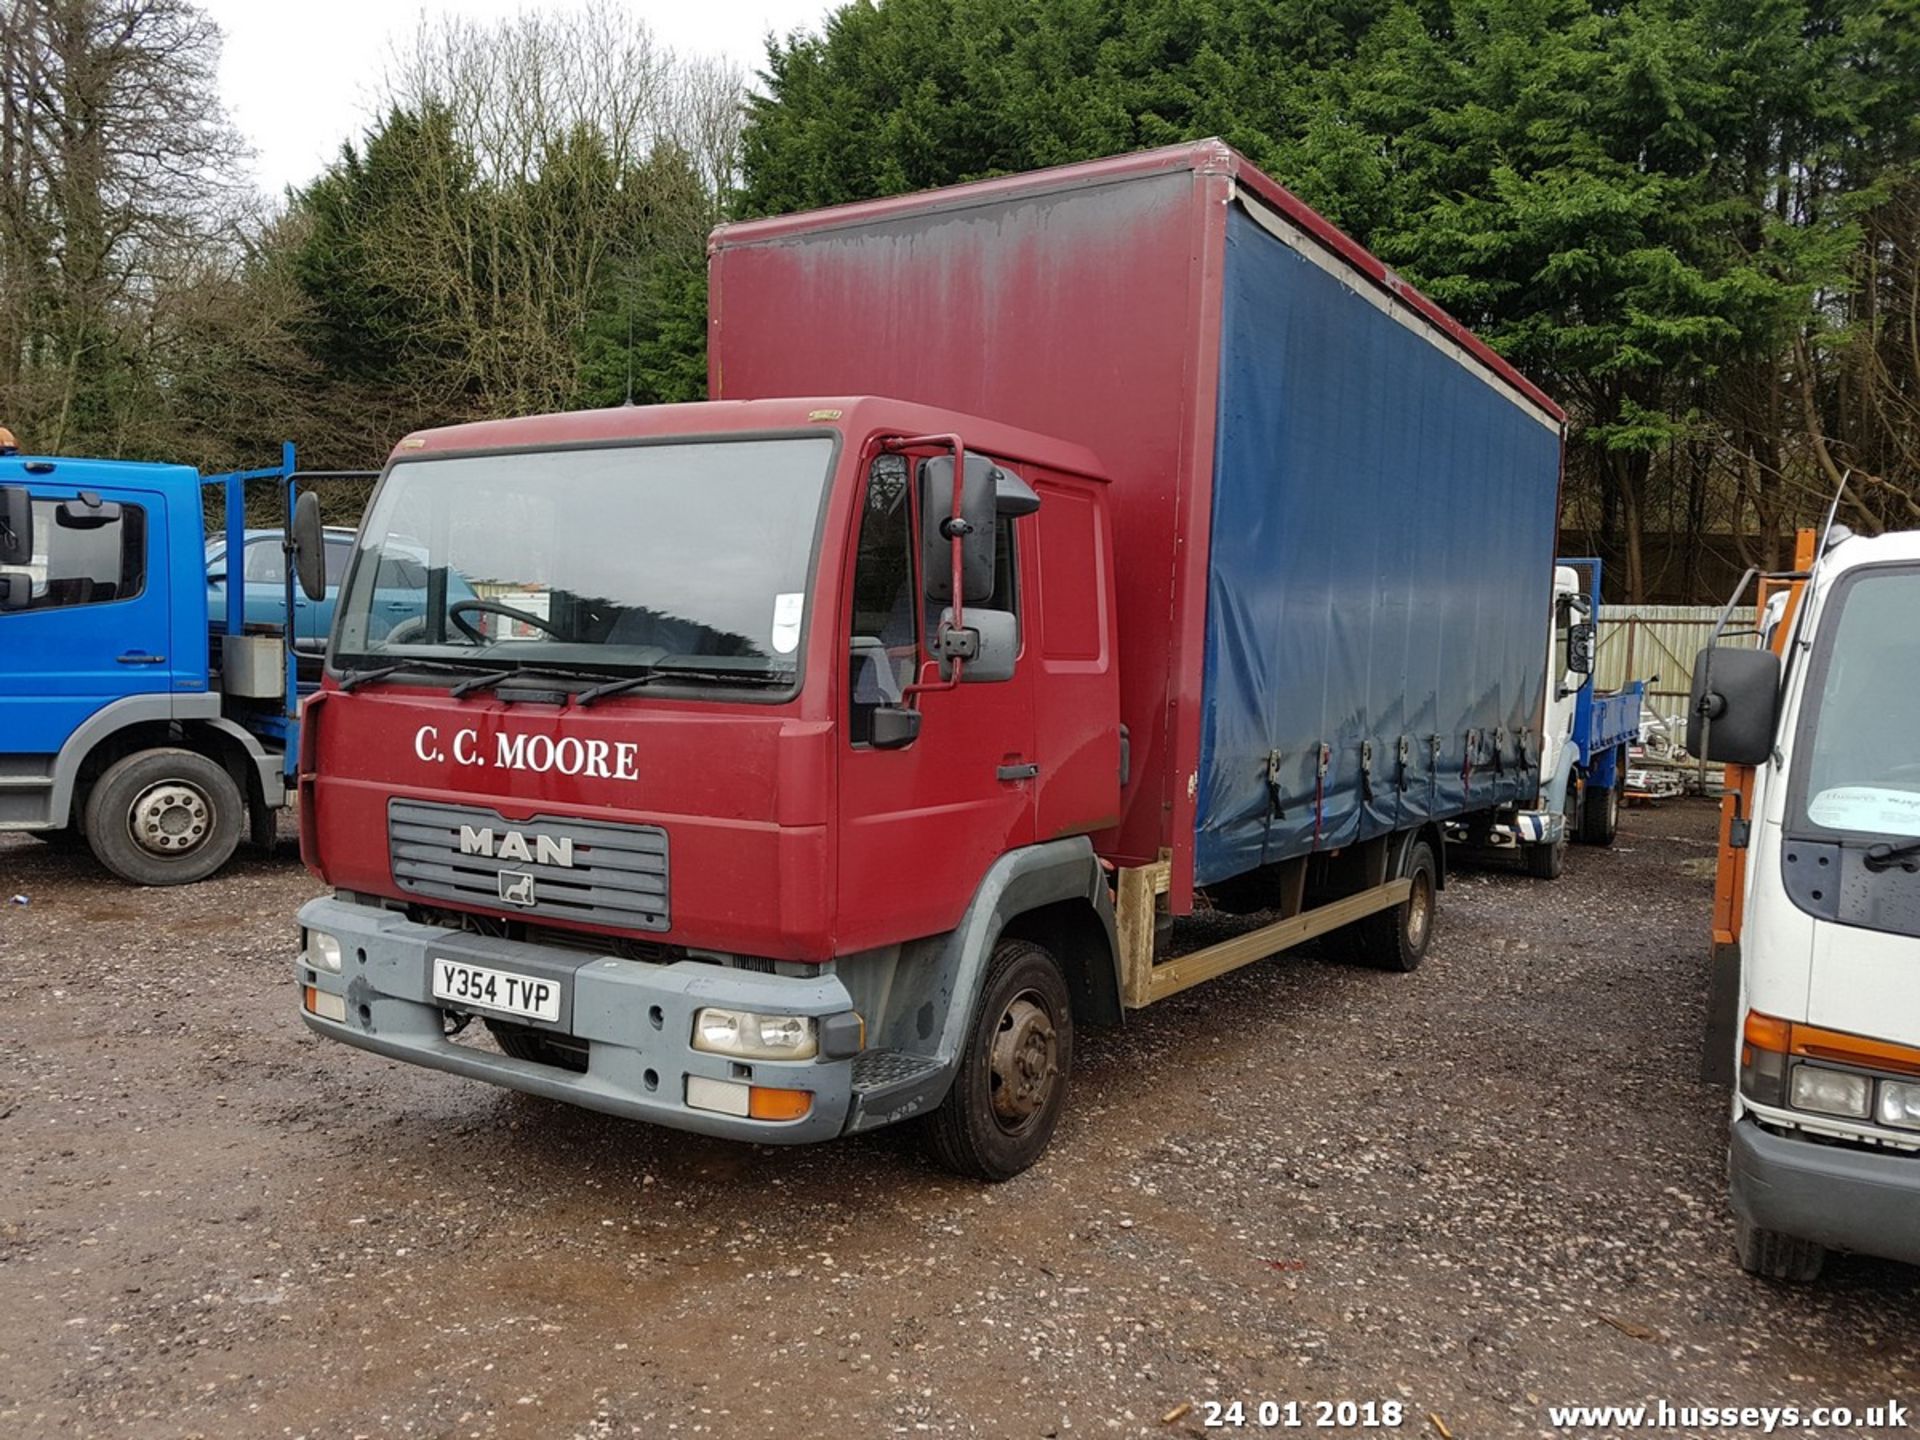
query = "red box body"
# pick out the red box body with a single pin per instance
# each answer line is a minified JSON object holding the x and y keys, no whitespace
{"x":1083,"y":302}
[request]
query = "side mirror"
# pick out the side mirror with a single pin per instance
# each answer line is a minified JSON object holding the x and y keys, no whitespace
{"x":16,"y":591}
{"x":1580,"y":647}
{"x":309,"y":547}
{"x":216,"y":577}
{"x":894,"y":726}
{"x":1736,"y":700}
{"x":988,"y":643}
{"x":979,"y":499}
{"x":88,"y":512}
{"x":16,"y":525}
{"x":1013,"y":497}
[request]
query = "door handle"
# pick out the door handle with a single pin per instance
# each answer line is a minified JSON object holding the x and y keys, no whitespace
{"x":140,"y":657}
{"x":1025,"y":771}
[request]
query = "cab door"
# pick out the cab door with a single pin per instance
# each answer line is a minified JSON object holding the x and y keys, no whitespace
{"x":920,"y":824}
{"x":95,"y":628}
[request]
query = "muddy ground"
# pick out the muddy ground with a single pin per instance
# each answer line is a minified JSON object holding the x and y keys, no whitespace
{"x":1478,"y":1190}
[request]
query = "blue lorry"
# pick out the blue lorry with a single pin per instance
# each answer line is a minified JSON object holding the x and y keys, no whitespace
{"x":1583,"y":772}
{"x":131,"y":717}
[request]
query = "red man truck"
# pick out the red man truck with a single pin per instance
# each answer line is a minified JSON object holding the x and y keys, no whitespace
{"x":1058,"y":554}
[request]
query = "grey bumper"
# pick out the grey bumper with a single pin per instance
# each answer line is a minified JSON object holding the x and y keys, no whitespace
{"x":636,"y":1017}
{"x":1845,"y":1199}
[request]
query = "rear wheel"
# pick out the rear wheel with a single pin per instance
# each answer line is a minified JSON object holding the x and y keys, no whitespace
{"x":164,"y":817}
{"x":1774,"y":1256}
{"x":1600,"y":812}
{"x":1397,"y":939}
{"x":1012,"y":1085}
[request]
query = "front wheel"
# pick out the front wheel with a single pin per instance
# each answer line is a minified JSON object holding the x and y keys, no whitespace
{"x":1774,"y":1256}
{"x":164,"y":817}
{"x":1012,"y":1084}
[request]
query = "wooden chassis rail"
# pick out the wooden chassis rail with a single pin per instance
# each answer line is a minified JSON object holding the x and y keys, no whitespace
{"x":1144,"y":982}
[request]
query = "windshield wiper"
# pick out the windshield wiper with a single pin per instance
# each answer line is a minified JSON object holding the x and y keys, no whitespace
{"x":1882,"y":856}
{"x":542,"y":672}
{"x":352,"y":679}
{"x":675,"y":672}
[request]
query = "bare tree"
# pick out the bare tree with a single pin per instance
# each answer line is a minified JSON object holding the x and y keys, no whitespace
{"x":117,"y":171}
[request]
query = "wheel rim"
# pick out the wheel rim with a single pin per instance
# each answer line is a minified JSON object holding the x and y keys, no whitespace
{"x":1024,"y":1065}
{"x":171,"y":818}
{"x":1419,"y":911}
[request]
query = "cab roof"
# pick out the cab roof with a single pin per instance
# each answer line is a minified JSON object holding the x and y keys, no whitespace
{"x":80,"y":472}
{"x":857,"y":417}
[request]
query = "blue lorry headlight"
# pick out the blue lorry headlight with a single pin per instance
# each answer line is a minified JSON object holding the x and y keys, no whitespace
{"x":1831,"y":1092}
{"x":1899,"y":1104}
{"x":323,"y":951}
{"x":753,"y":1036}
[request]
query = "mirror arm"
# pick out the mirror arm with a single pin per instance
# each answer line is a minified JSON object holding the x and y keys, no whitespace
{"x":954,"y":527}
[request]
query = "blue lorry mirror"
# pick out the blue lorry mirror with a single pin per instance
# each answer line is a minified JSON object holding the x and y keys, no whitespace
{"x":975,"y":526}
{"x":16,"y":525}
{"x":309,"y":547}
{"x":1580,"y":648}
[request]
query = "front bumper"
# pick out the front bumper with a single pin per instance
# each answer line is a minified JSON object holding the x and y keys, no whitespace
{"x":1840,"y":1197}
{"x":1539,"y":827}
{"x":636,"y":1017}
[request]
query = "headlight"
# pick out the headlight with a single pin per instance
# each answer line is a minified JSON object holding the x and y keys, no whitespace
{"x":323,"y":951}
{"x":754,"y":1037}
{"x":1900,"y":1103}
{"x":1831,"y":1092}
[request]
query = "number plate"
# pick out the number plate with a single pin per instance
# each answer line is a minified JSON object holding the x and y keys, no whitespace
{"x":501,"y":990}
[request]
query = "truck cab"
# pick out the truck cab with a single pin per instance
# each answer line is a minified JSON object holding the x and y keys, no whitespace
{"x":121,"y":723}
{"x":1818,"y":914}
{"x":1586,"y":733}
{"x":708,"y":754}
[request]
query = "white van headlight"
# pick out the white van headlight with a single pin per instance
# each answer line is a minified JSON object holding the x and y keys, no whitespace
{"x":1900,"y":1104}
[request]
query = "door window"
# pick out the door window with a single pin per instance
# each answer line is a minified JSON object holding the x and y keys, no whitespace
{"x":266,"y":563}
{"x":93,"y":565}
{"x":886,"y":624}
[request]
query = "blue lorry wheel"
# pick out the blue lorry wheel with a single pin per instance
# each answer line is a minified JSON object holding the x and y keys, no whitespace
{"x":1600,"y":811}
{"x":164,"y":817}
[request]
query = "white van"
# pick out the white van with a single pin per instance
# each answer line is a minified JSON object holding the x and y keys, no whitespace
{"x":1818,"y":921}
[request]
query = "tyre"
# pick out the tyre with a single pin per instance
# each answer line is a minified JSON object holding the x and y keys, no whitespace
{"x":1600,"y":813}
{"x":164,"y":817}
{"x":1397,"y":939}
{"x":1774,"y":1256}
{"x":1012,"y":1085}
{"x":1545,"y":862}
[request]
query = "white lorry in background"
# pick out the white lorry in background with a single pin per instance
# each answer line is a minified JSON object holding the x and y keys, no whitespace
{"x":1816,"y":1008}
{"x":1583,"y":761}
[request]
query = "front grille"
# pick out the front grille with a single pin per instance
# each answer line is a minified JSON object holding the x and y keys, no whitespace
{"x":618,"y":877}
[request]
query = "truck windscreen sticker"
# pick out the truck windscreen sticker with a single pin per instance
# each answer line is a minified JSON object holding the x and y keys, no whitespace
{"x":786,"y":621}
{"x":1867,"y":807}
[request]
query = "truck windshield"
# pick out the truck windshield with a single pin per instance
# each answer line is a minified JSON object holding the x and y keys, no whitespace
{"x":637,"y":558}
{"x":1861,"y":721}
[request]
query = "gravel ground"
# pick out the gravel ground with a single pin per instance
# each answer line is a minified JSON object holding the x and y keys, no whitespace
{"x":1476,"y":1190}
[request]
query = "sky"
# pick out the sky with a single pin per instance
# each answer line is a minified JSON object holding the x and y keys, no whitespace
{"x":298,"y":79}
